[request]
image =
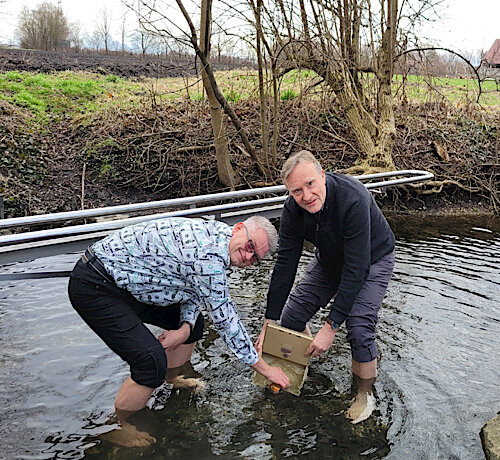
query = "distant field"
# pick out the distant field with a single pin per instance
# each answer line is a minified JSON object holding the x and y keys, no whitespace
{"x":455,"y":90}
{"x":77,"y":94}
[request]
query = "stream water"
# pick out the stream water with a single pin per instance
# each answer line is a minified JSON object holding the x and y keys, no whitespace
{"x":439,"y":370}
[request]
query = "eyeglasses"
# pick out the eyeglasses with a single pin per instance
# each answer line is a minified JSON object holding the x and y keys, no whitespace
{"x":251,"y":248}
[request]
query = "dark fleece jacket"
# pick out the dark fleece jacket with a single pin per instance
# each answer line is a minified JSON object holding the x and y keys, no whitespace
{"x":350,"y":233}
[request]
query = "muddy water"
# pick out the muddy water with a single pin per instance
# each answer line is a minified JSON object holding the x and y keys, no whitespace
{"x":439,"y":341}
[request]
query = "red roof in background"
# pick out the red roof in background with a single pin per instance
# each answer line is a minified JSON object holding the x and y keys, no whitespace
{"x":493,"y":55}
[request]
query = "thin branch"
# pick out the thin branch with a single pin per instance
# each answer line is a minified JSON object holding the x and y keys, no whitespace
{"x":467,"y":61}
{"x":222,"y":100}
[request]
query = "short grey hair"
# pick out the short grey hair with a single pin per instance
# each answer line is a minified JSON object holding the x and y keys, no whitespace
{"x":304,"y":156}
{"x":255,"y":222}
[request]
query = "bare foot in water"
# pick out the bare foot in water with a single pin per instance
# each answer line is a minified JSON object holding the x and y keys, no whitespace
{"x":128,"y":436}
{"x":362,"y":407}
{"x":196,"y":385}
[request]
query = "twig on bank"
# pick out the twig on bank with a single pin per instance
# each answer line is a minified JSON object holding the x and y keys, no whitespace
{"x":82,"y":201}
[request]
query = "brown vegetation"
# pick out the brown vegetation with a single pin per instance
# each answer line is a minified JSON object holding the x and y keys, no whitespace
{"x":167,"y":151}
{"x":460,"y":146}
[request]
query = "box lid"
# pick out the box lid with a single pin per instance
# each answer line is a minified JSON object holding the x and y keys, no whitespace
{"x":287,"y":344}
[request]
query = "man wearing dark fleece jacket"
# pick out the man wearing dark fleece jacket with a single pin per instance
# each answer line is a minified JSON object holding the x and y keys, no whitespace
{"x":353,"y":263}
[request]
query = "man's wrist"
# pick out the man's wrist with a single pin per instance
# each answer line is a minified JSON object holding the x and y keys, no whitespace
{"x":335,"y":326}
{"x":259,"y":366}
{"x":189,"y":324}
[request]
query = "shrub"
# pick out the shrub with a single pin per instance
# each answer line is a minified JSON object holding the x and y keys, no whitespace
{"x":288,"y":94}
{"x":232,"y":96}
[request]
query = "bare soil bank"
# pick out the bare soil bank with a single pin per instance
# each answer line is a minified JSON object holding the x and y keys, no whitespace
{"x":121,"y":64}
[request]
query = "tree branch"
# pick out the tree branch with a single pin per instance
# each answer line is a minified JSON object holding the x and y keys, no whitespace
{"x":467,"y":61}
{"x":222,"y":100}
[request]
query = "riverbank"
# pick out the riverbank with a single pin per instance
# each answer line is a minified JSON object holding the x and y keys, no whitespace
{"x":102,"y":142}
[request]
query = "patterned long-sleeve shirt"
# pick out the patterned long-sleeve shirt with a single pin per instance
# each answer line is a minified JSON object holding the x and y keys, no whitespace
{"x":179,"y":260}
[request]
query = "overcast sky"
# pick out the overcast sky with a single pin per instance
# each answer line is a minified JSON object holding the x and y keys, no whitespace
{"x":83,"y":11}
{"x":465,"y":25}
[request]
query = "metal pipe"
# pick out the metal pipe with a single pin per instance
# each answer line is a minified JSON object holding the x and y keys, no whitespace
{"x":134,"y":207}
{"x":26,"y":246}
{"x":389,"y":183}
{"x":418,"y":176}
{"x":114,"y":224}
{"x":185,"y":201}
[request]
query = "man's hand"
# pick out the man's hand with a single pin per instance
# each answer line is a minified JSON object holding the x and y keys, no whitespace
{"x":170,"y":340}
{"x":260,"y":339}
{"x":271,"y":373}
{"x":322,"y":341}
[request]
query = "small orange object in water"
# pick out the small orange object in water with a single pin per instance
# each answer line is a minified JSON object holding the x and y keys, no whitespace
{"x":275,"y":388}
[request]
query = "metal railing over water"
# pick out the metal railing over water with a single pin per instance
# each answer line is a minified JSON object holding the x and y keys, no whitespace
{"x":28,"y":245}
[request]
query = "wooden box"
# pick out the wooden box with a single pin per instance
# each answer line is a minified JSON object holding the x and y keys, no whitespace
{"x":285,"y":348}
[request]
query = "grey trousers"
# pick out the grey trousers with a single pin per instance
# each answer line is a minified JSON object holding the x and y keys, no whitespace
{"x":315,"y":290}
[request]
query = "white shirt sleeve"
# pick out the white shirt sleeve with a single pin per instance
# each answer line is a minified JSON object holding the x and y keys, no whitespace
{"x":215,"y":296}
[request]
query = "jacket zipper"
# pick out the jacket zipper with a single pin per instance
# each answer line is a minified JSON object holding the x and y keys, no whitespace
{"x":317,"y":227}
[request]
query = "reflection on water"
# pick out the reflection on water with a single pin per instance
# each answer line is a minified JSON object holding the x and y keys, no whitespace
{"x":439,"y":341}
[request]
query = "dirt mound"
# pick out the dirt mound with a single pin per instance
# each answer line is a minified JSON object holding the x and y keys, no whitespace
{"x":122,"y":64}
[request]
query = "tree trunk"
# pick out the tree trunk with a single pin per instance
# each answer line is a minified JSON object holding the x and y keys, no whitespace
{"x":224,"y":168}
{"x":274,"y":149}
{"x":203,"y":56}
{"x":375,"y":138}
{"x":336,"y":53}
{"x":262,"y":93}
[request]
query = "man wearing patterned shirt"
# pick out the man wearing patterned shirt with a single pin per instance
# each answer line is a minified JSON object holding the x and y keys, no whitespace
{"x":163,"y":272}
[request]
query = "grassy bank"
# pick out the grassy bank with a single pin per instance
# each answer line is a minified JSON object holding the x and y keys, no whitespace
{"x":49,"y":97}
{"x":77,"y":94}
{"x":67,"y":94}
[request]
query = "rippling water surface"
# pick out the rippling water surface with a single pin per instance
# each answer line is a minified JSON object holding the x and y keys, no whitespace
{"x":439,"y":342}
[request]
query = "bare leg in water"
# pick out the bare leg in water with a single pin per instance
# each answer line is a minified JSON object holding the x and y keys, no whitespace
{"x":364,"y":375}
{"x":175,"y":362}
{"x":133,"y":397}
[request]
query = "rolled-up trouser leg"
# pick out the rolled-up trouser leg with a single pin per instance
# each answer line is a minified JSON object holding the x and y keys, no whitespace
{"x":363,"y":317}
{"x":111,"y":314}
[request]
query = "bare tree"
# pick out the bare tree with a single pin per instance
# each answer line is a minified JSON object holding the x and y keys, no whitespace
{"x":352,"y":45}
{"x":123,"y":31}
{"x":44,"y":27}
{"x":217,"y":93}
{"x":142,"y":40}
{"x":103,"y":27}
{"x":153,"y":15}
{"x":224,"y":168}
{"x":257,"y":8}
{"x":94,"y":40}
{"x":75,"y":37}
{"x":327,"y":37}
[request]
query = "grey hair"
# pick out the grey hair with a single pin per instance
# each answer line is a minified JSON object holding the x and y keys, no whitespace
{"x":304,"y":156}
{"x":261,"y":222}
